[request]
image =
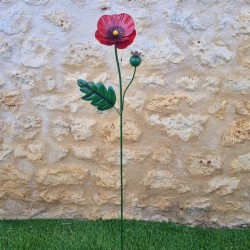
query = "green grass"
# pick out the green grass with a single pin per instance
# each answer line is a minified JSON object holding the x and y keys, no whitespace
{"x":73,"y":235}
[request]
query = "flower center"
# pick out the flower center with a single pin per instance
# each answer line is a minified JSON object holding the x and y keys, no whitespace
{"x":115,"y":32}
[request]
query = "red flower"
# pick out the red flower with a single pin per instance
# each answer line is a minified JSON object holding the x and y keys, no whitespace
{"x":118,"y":30}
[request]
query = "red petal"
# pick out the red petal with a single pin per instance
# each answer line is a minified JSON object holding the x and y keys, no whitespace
{"x":124,"y":44}
{"x":122,"y":20}
{"x":103,"y":40}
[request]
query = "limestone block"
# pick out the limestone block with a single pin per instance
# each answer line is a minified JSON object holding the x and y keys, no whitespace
{"x":113,"y":157}
{"x":198,"y":204}
{"x":151,"y":81}
{"x":23,"y":79}
{"x":85,"y":153}
{"x":6,"y":50}
{"x":79,"y":3}
{"x":160,"y":52}
{"x":12,"y":177}
{"x":162,"y":155}
{"x":169,"y":102}
{"x":62,"y":175}
{"x":183,"y":127}
{"x":61,"y":128}
{"x":241,"y":163}
{"x":58,"y":102}
{"x":224,"y":185}
{"x":107,"y":178}
{"x":14,"y":194}
{"x":211,"y":55}
{"x":189,"y":21}
{"x":159,"y":178}
{"x":26,"y":126}
{"x":59,"y":195}
{"x":35,"y":52}
{"x":35,"y":151}
{"x":237,"y":133}
{"x":59,"y":18}
{"x":15,"y":21}
{"x":203,"y":164}
{"x":131,"y":131}
{"x":82,"y":128}
{"x":2,"y":129}
{"x":244,"y":54}
{"x":241,"y":25}
{"x":61,"y":153}
{"x":238,"y":85}
{"x":79,"y":54}
{"x":36,"y":2}
{"x":6,"y":150}
{"x":211,"y":83}
{"x":242,"y":108}
{"x":218,"y":109}
{"x":107,"y":198}
{"x":188,"y":82}
{"x":20,"y":151}
{"x":11,"y":100}
{"x":136,"y":101}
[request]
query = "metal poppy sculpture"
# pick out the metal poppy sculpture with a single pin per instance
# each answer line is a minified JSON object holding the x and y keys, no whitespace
{"x":118,"y":30}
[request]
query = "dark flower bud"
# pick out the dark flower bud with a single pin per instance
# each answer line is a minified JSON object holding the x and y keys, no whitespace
{"x":135,"y":59}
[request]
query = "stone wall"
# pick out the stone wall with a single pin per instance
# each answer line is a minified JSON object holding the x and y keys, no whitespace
{"x":187,"y":127}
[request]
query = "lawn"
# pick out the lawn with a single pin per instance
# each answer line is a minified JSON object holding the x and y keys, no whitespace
{"x":87,"y":235}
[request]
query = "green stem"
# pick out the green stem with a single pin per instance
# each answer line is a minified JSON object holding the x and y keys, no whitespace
{"x":121,"y":135}
{"x":123,"y":97}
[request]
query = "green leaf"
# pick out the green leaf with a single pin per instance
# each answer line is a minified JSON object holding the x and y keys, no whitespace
{"x":99,"y":96}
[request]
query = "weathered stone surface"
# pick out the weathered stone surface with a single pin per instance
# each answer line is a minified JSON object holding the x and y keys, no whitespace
{"x":26,"y":126}
{"x":244,"y":54}
{"x":79,"y":54}
{"x":5,"y":151}
{"x":237,"y":133}
{"x":61,"y":128}
{"x":241,"y":163}
{"x":217,"y":109}
{"x":189,"y":21}
{"x":62,"y":175}
{"x":161,"y":53}
{"x":2,"y":129}
{"x":10,"y":100}
{"x":59,"y":18}
{"x":204,"y":164}
{"x":85,"y":153}
{"x":61,"y":196}
{"x":168,"y":103}
{"x":61,"y":153}
{"x":188,"y":82}
{"x":159,"y":179}
{"x":136,"y":101}
{"x":162,"y":155}
{"x":243,"y":108}
{"x":131,"y":130}
{"x":238,"y":85}
{"x":82,"y":128}
{"x":35,"y":52}
{"x":79,"y":3}
{"x":26,"y":80}
{"x":211,"y":83}
{"x":241,"y":25}
{"x":15,"y":22}
{"x":224,"y":185}
{"x":35,"y":151}
{"x":13,"y":177}
{"x":183,"y":127}
{"x":36,"y":2}
{"x":107,"y":198}
{"x":151,"y":81}
{"x":107,"y":178}
{"x":211,"y":55}
{"x":6,"y":50}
